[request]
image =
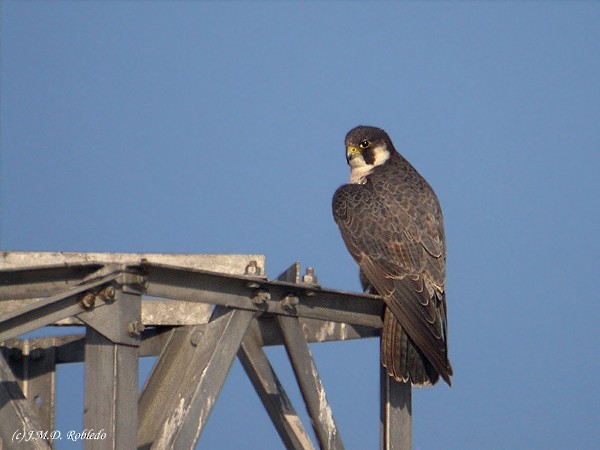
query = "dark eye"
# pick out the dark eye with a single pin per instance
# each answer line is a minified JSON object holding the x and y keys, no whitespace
{"x":364,"y":144}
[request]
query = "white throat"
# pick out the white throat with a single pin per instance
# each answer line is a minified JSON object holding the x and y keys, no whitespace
{"x":360,"y":170}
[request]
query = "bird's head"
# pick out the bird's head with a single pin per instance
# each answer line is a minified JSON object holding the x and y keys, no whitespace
{"x":366,"y":148}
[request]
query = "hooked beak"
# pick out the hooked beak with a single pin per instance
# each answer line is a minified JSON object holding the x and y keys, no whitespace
{"x":351,"y":153}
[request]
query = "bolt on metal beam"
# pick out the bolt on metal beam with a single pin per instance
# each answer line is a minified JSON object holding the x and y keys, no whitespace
{"x":49,"y":310}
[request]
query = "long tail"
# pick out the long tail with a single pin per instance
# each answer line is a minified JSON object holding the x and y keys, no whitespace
{"x":402,"y":359}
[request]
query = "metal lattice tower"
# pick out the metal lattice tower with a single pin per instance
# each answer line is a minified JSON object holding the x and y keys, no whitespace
{"x":196,"y":313}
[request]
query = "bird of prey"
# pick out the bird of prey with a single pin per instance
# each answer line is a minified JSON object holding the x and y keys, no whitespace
{"x":391,"y":222}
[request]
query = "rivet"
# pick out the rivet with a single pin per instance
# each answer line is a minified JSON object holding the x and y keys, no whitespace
{"x":252,"y":269}
{"x":309,"y":277}
{"x":289,"y":302}
{"x":88,"y":300}
{"x":135,"y":328}
{"x":196,"y":337}
{"x":261,"y":297}
{"x":108,"y":293}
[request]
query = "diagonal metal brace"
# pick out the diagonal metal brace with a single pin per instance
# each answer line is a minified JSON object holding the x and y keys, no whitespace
{"x":18,"y":421}
{"x":49,"y":310}
{"x":310,"y":383}
{"x":187,"y":378}
{"x":306,"y":373}
{"x":272,"y":394}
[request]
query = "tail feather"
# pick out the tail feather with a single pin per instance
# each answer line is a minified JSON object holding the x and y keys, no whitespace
{"x":400,"y":356}
{"x":388,"y":336}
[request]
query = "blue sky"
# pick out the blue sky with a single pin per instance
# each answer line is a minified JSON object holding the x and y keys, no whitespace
{"x":206,"y":127}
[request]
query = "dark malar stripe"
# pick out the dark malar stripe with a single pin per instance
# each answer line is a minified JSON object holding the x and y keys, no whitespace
{"x":369,"y":156}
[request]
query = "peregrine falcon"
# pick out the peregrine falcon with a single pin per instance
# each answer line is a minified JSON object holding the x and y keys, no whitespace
{"x":391,"y":222}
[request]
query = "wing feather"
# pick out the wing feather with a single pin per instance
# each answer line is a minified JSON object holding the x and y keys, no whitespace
{"x":398,"y":242}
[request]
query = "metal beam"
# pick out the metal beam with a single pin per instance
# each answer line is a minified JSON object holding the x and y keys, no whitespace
{"x":111,"y":381}
{"x":314,"y":330}
{"x":39,"y":289}
{"x":272,"y":394}
{"x":17,"y":283}
{"x":258,"y":294}
{"x":70,"y":348}
{"x":119,"y":320}
{"x":178,"y":398}
{"x":233,"y":264}
{"x":310,"y":384}
{"x":49,"y":310}
{"x":157,"y":397}
{"x":19,"y":425}
{"x":111,"y":373}
{"x":305,"y":370}
{"x":396,"y":413}
{"x":174,"y":313}
{"x":34,"y":369}
{"x":33,"y":275}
